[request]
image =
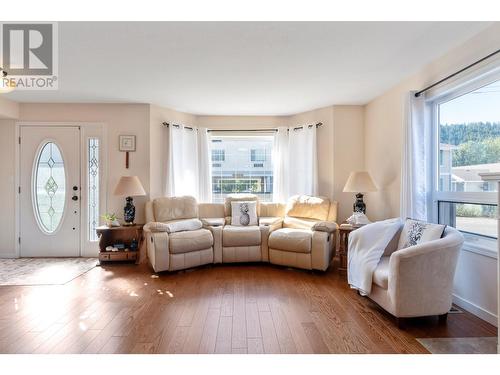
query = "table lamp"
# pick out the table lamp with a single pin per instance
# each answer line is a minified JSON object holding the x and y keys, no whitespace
{"x":359,"y":182}
{"x":129,"y":186}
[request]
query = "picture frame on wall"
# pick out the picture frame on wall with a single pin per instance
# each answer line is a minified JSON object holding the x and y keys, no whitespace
{"x":127,"y":143}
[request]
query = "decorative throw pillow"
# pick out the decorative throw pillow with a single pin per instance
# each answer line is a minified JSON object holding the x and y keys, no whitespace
{"x":244,"y":213}
{"x":415,"y":232}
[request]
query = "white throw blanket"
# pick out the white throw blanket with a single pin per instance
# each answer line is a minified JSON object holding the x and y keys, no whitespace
{"x":366,"y":246}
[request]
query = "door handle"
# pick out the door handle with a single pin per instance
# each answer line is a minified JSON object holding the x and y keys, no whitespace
{"x":74,"y":197}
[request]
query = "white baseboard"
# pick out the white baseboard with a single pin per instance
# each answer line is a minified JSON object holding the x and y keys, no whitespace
{"x":476,"y":310}
{"x":8,"y":256}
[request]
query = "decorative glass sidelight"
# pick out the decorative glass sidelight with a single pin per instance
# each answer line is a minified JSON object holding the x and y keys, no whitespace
{"x":93,"y":187}
{"x":50,"y":187}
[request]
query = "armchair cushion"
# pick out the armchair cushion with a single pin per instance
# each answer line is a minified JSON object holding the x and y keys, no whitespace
{"x":415,"y":232}
{"x":289,"y":239}
{"x":235,"y":236}
{"x":175,"y":208}
{"x":325,"y":226}
{"x":305,"y":206}
{"x":188,"y":241}
{"x":174,"y":226}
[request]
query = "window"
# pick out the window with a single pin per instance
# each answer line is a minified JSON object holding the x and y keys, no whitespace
{"x":470,"y":218}
{"x":49,"y":187}
{"x":258,"y":155}
{"x":239,"y":173}
{"x":93,"y":187}
{"x":467,"y":124}
{"x":218,"y":155}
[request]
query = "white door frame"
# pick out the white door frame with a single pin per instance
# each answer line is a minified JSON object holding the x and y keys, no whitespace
{"x":87,"y":130}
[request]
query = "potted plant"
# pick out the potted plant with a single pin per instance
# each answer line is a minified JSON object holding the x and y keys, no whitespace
{"x":111,"y":220}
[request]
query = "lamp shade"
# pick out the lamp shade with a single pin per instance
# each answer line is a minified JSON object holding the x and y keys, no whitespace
{"x":129,"y":186}
{"x":359,"y":182}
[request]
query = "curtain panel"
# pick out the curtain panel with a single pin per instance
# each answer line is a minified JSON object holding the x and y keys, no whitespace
{"x":416,"y":161}
{"x":295,"y":162}
{"x":187,"y":163}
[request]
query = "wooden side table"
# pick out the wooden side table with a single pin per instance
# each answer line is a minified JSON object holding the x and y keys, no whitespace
{"x":123,"y":234}
{"x":344,"y":231}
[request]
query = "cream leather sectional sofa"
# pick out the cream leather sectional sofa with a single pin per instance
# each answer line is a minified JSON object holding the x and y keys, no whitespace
{"x":300,"y":233}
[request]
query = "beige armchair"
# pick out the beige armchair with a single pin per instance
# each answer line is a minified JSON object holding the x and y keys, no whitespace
{"x":417,"y":281}
{"x":178,"y":250}
{"x":307,"y":239}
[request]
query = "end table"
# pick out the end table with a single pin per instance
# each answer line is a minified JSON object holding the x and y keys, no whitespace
{"x":344,"y":230}
{"x":123,"y":234}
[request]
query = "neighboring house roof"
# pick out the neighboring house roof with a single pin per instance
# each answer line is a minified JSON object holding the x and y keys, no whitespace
{"x":471,"y":172}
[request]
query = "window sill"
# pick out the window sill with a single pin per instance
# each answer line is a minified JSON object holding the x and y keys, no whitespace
{"x":487,"y":248}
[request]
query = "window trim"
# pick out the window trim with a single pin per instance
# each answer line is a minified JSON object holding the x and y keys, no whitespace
{"x":473,"y":242}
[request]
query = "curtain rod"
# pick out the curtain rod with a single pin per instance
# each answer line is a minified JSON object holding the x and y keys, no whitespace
{"x":417,"y":94}
{"x":167,"y":124}
{"x":263,"y":130}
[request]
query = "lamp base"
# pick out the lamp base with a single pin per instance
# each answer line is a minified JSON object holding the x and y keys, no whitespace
{"x":359,"y":205}
{"x":129,"y":211}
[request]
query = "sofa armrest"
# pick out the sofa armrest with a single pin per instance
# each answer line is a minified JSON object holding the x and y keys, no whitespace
{"x":156,"y":226}
{"x":271,"y":221}
{"x":213,"y":221}
{"x":267,"y":225}
{"x":322,"y":250}
{"x":157,"y":246}
{"x":174,"y":225}
{"x":325,"y":226}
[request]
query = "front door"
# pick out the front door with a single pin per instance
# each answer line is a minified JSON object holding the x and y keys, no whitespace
{"x":49,"y":191}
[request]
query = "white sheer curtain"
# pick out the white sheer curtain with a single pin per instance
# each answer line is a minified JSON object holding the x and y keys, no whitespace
{"x":280,"y":165}
{"x":205,"y":158}
{"x":303,"y":170}
{"x":295,"y":162}
{"x":188,"y":168}
{"x":416,"y":168}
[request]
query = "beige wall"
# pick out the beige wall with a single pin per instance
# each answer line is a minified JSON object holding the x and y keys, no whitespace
{"x":384,"y":120}
{"x":349,"y":153}
{"x":241,"y":122}
{"x":8,"y":108}
{"x":7,"y":187}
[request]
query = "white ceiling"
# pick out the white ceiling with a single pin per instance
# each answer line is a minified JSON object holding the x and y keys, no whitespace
{"x":243,"y":68}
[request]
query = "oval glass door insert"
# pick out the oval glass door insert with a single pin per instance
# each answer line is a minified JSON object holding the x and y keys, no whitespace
{"x":49,"y":187}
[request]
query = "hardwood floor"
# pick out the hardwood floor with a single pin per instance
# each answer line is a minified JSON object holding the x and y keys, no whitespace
{"x":259,"y":308}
